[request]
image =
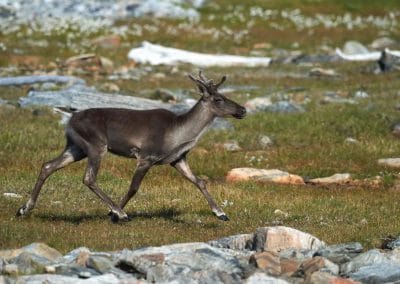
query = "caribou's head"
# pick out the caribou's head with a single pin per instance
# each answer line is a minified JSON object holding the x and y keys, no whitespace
{"x":216,"y":102}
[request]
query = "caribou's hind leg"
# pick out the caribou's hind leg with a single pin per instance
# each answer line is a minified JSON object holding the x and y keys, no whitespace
{"x":183,"y":167}
{"x":72,"y":153}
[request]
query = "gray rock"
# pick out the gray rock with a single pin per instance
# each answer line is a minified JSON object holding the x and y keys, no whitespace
{"x":297,"y":254}
{"x":377,"y":273}
{"x":257,"y":104}
{"x":29,"y":263}
{"x":231,"y":146}
{"x":236,"y":242}
{"x":393,"y":244}
{"x":354,"y":47}
{"x":3,"y":102}
{"x":29,"y":80}
{"x":368,"y":258}
{"x":264,"y":141}
{"x":73,"y":255}
{"x":332,"y":97}
{"x":187,"y":263}
{"x":390,"y":162}
{"x":75,"y":270}
{"x":101,"y":264}
{"x":10,"y":269}
{"x":61,"y":279}
{"x":40,"y":249}
{"x":285,"y":107}
{"x":263,"y":278}
{"x":340,"y":253}
{"x":382,"y":43}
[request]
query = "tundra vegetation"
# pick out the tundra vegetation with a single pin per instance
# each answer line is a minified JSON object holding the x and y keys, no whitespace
{"x":168,"y":209}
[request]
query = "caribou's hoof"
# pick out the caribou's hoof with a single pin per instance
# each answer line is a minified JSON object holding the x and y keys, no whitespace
{"x":223,"y":217}
{"x":22,"y":211}
{"x":115,"y":218}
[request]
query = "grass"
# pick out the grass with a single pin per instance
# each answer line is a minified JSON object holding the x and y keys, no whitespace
{"x":169,"y":209}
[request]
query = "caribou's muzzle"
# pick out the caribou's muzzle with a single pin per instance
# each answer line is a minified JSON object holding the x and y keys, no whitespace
{"x":241,"y":113}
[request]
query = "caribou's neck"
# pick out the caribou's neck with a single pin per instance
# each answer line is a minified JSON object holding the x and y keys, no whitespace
{"x":193,"y":123}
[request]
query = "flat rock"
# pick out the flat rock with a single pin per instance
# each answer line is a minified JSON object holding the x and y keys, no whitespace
{"x":267,"y":261}
{"x":188,"y":262}
{"x":263,"y":175}
{"x":318,"y":263}
{"x":29,"y":263}
{"x":368,"y":258}
{"x":378,"y":273}
{"x":354,"y":47}
{"x":341,"y":253}
{"x":281,"y":238}
{"x":61,"y":279}
{"x":390,"y":162}
{"x":334,"y":179}
{"x":264,"y":278}
{"x":40,"y":249}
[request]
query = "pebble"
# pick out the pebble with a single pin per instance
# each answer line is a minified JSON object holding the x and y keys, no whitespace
{"x":390,"y":162}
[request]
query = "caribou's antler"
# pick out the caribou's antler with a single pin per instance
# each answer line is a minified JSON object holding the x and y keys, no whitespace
{"x":205,"y":84}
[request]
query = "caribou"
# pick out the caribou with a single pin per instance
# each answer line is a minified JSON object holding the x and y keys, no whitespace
{"x":153,"y":137}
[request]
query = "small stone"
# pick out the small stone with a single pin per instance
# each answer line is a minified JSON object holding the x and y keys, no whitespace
{"x":231,"y":146}
{"x":390,"y":162}
{"x":334,"y":179}
{"x":50,"y":269}
{"x":263,"y":175}
{"x":264,"y":141}
{"x":350,"y":140}
{"x":361,"y":95}
{"x":85,"y":274}
{"x":82,"y":258}
{"x":319,"y":72}
{"x":12,"y":195}
{"x":267,"y":261}
{"x":110,"y":87}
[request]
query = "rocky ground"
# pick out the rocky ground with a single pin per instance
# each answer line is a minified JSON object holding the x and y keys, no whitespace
{"x":269,"y":255}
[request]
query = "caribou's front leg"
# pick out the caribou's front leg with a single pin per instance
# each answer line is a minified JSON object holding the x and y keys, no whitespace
{"x":183,"y":167}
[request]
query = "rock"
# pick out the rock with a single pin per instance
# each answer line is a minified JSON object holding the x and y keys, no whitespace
{"x":82,"y":258}
{"x":10,"y":269}
{"x":35,"y":79}
{"x":257,"y":104}
{"x":107,"y":41}
{"x":281,"y":238}
{"x":368,"y":258}
{"x":390,"y":162}
{"x":262,"y":278}
{"x":320,"y":277}
{"x":388,"y":62}
{"x":236,"y":242}
{"x":350,"y":140}
{"x":378,"y":273}
{"x":39,"y":249}
{"x":332,"y":97}
{"x":110,"y":87}
{"x":396,"y":130}
{"x":281,"y":213}
{"x":231,"y":146}
{"x":334,"y":179}
{"x":299,"y":255}
{"x":264,"y":141}
{"x":318,"y":263}
{"x":392,"y":244}
{"x":57,"y":279}
{"x":74,"y":255}
{"x":382,"y":43}
{"x":267,"y":261}
{"x":101,"y":264}
{"x":29,"y":263}
{"x":289,"y":267}
{"x":182,"y":263}
{"x":354,"y":47}
{"x":285,"y":107}
{"x":361,"y":94}
{"x":263,"y":175}
{"x":319,"y":72}
{"x":340,"y":253}
{"x":12,"y":195}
